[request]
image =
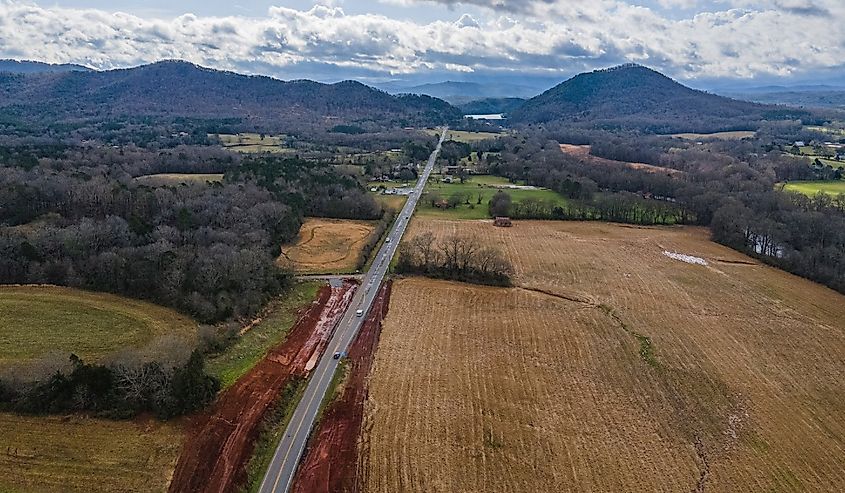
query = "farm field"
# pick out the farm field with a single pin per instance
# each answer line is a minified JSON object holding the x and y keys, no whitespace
{"x":813,"y":187}
{"x":162,"y":179}
{"x":484,"y":185}
{"x":465,"y":136}
{"x":327,"y":246}
{"x":79,"y":454}
{"x":610,"y":367}
{"x":736,"y":135}
{"x":253,"y":143}
{"x":827,"y":129}
{"x":395,"y":202}
{"x":41,"y":321}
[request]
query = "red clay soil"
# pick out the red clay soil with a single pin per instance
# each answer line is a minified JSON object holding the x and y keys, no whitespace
{"x":220,"y":441}
{"x":331,"y":462}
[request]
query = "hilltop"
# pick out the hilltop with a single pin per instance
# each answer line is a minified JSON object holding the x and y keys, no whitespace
{"x":33,"y":67}
{"x":635,"y":97}
{"x":179,"y":89}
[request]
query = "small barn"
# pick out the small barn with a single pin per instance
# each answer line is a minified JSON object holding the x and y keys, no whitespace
{"x":502,"y":222}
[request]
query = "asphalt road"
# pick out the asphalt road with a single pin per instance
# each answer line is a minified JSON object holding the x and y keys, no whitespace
{"x":282,"y":468}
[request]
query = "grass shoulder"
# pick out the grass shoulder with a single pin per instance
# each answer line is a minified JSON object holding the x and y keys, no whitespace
{"x":238,"y":359}
{"x":272,"y":429}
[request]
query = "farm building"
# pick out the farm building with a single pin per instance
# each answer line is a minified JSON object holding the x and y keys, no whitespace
{"x":502,"y":221}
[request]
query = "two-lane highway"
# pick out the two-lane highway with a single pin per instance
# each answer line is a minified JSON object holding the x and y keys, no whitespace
{"x":283,"y":466}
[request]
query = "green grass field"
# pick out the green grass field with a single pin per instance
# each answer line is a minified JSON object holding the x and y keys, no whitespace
{"x":252,"y":346}
{"x":813,"y":187}
{"x":829,"y":130}
{"x":483,"y":186}
{"x":38,"y":321}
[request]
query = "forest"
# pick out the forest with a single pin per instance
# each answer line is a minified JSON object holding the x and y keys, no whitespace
{"x":207,"y":250}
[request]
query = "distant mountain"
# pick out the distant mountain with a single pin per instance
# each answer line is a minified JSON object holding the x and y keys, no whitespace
{"x":635,"y":97}
{"x":491,"y":106}
{"x":31,"y":67}
{"x":801,"y":97}
{"x":464,"y":92}
{"x":180,"y":89}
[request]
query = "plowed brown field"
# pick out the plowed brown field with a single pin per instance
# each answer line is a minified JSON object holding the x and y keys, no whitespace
{"x":612,"y":367}
{"x":327,"y":246}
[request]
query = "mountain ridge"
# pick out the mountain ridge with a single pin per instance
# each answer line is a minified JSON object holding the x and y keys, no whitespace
{"x":632,"y":96}
{"x":173,"y":88}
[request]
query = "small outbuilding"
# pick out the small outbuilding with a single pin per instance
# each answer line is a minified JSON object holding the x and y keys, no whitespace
{"x":502,"y":222}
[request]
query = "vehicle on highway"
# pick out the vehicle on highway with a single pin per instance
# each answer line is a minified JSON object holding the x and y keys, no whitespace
{"x":387,"y":240}
{"x":359,"y":313}
{"x":337,"y":355}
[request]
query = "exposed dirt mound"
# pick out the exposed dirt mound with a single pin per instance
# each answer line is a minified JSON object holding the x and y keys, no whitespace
{"x":331,"y":462}
{"x":220,"y":443}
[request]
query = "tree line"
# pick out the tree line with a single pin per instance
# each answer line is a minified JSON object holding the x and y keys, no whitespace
{"x":454,"y":257}
{"x":118,"y":390}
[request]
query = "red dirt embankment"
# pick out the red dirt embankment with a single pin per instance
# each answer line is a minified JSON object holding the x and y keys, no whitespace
{"x":220,"y":441}
{"x":331,"y":463}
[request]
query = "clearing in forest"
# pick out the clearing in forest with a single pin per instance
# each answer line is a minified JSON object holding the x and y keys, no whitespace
{"x":811,"y":188}
{"x":78,"y":454}
{"x":734,"y":135}
{"x":465,"y":136}
{"x":327,"y":246}
{"x":41,"y":321}
{"x":254,"y":143}
{"x":583,"y":152}
{"x":610,"y":367}
{"x":172,"y":179}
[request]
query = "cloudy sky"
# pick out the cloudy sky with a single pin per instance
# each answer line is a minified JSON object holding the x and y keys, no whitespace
{"x":747,"y":41}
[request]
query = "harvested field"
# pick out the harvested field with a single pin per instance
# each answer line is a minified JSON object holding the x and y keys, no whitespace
{"x":79,"y":454}
{"x":327,"y":246}
{"x":170,"y":179}
{"x":735,"y":135}
{"x":612,"y":367}
{"x":331,"y":462}
{"x":583,"y":152}
{"x":42,"y":321}
{"x":220,"y":442}
{"x":465,"y":136}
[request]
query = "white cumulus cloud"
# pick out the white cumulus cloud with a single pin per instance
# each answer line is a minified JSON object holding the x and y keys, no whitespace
{"x":731,"y":38}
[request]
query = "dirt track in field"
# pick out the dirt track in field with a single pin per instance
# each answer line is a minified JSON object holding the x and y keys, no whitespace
{"x":612,"y":367}
{"x":220,"y":442}
{"x":326,"y":246}
{"x":331,"y":464}
{"x":583,"y":152}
